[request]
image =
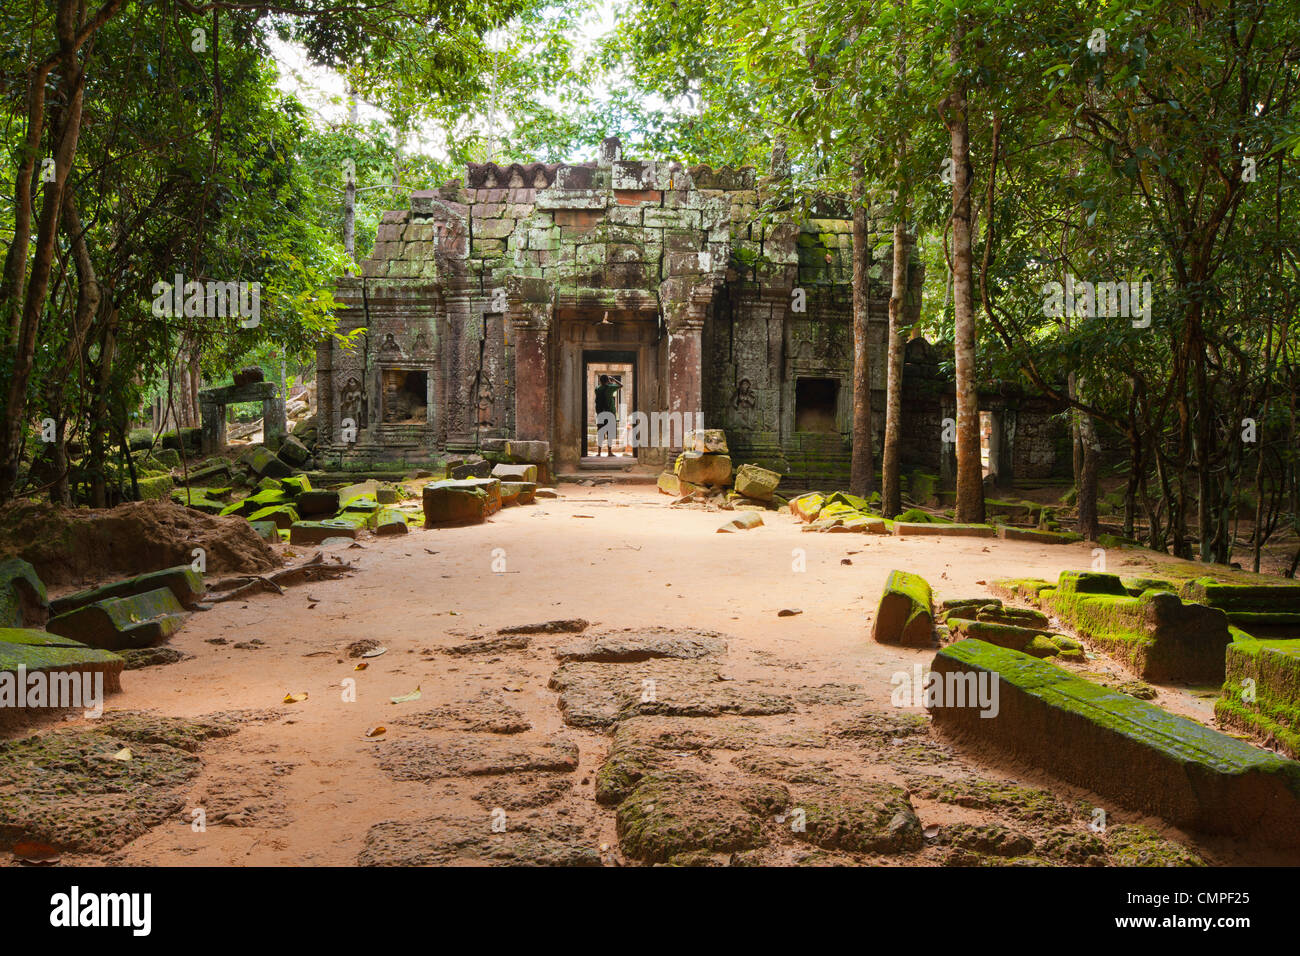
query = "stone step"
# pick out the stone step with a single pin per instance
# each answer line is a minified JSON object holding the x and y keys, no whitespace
{"x":1129,"y":751}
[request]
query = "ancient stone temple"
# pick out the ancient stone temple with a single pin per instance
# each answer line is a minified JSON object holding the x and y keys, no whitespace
{"x":491,"y":307}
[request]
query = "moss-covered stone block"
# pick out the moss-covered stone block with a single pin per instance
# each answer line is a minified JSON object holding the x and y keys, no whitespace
{"x":807,"y":507}
{"x":905,"y":614}
{"x":672,"y":484}
{"x":282,"y":516}
{"x":455,"y":503}
{"x":183,"y":581}
{"x":1132,"y":752}
{"x":137,"y":620}
{"x":390,"y":521}
{"x":314,"y":532}
{"x":1158,"y":635}
{"x":703,"y":468}
{"x":1261,"y":690}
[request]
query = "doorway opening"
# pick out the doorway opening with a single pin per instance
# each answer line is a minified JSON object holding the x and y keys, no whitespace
{"x":406,"y":396}
{"x":609,"y":384}
{"x":815,"y":403}
{"x":988,"y":457}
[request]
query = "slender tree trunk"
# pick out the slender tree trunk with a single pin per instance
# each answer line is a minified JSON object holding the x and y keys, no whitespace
{"x":350,"y":190}
{"x":891,"y":494}
{"x":891,"y":486}
{"x":1088,"y":523}
{"x":862,"y":465}
{"x":970,"y":476}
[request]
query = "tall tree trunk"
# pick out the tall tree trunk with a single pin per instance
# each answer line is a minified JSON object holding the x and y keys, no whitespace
{"x":862,"y":465}
{"x":66,"y":130}
{"x":350,"y":190}
{"x":891,"y":492}
{"x":970,"y":476}
{"x":1090,"y":450}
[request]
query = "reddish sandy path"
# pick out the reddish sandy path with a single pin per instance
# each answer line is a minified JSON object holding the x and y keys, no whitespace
{"x":306,"y":788}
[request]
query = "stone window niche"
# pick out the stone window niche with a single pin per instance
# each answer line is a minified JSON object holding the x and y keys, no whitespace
{"x":406,"y":396}
{"x":816,"y":401}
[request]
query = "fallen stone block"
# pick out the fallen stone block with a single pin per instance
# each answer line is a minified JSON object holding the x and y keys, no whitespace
{"x":755,"y":482}
{"x":282,"y":516}
{"x":137,"y":620}
{"x":546,"y":493}
{"x":386,"y":495}
{"x":366,"y":488}
{"x":266,"y":530}
{"x":1124,"y":749}
{"x":293,"y":452}
{"x":904,"y":528}
{"x":183,"y":581}
{"x":262,"y":462}
{"x":391,"y":521}
{"x":517,"y":492}
{"x":296,"y":484}
{"x":807,"y":507}
{"x":454,"y":503}
{"x":709,"y":440}
{"x":700,"y":468}
{"x":905,"y":614}
{"x":471,"y":469}
{"x":671,"y":484}
{"x":23,"y":601}
{"x":1011,"y":636}
{"x":318,"y":532}
{"x":200,"y":499}
{"x":515,"y":473}
{"x":742,"y":522}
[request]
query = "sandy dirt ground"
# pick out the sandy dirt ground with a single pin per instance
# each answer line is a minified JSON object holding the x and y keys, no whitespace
{"x":485,"y":751}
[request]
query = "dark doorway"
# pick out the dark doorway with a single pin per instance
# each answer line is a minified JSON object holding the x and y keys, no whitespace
{"x":621,"y":367}
{"x":406,"y":395}
{"x":815,"y":404}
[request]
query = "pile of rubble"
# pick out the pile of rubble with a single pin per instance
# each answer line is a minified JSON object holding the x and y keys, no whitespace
{"x":703,"y":474}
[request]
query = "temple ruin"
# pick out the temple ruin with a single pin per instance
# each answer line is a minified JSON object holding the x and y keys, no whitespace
{"x":488,"y":306}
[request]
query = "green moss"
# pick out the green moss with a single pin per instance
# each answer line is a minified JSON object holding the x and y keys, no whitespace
{"x":1024,"y":589}
{"x":1137,"y":585}
{"x":1133,"y":845}
{"x":1183,"y":742}
{"x":1274,"y":668}
{"x":1090,"y":582}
